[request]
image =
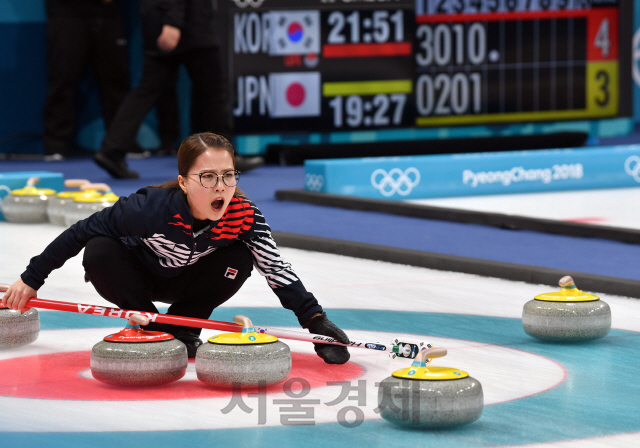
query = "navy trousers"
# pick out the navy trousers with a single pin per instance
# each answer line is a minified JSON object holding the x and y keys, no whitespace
{"x":123,"y":280}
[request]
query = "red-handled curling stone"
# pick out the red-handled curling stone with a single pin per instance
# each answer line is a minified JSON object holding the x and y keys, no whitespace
{"x":135,"y":357}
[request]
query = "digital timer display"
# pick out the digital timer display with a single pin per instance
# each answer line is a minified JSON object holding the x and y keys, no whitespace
{"x":325,"y":65}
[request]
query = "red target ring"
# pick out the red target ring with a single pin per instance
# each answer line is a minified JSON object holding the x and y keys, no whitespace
{"x":57,"y":376}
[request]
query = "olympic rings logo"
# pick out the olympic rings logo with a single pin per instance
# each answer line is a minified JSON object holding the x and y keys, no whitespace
{"x":245,"y":3}
{"x":632,"y":167}
{"x":395,"y":181}
{"x":314,"y":182}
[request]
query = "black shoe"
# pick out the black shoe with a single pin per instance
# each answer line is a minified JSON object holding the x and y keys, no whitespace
{"x":115,"y":167}
{"x":167,"y":151}
{"x":191,"y":341}
{"x":245,"y":164}
{"x":57,"y":157}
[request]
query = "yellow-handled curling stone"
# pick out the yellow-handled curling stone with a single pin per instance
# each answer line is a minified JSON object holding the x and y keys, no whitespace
{"x":56,"y":205}
{"x":88,"y":202}
{"x":569,"y":315}
{"x":28,"y":204}
{"x":430,"y":397}
{"x":136,"y":357}
{"x":248,"y":358}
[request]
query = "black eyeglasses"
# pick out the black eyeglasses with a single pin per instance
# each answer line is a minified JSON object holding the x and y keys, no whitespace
{"x":210,"y":180}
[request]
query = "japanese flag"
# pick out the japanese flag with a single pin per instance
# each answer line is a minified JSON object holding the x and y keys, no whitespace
{"x":295,"y":94}
{"x":294,"y":32}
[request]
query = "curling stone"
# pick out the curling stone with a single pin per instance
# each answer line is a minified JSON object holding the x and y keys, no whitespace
{"x":135,"y":357}
{"x":18,"y":329}
{"x":430,"y":397}
{"x":85,"y":205}
{"x":27,"y":205}
{"x":248,"y":358}
{"x":56,"y":205}
{"x":569,"y":315}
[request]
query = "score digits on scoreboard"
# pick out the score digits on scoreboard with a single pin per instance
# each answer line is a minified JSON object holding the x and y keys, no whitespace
{"x":494,"y":61}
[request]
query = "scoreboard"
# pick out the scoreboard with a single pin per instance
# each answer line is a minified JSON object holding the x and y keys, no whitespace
{"x":355,"y":65}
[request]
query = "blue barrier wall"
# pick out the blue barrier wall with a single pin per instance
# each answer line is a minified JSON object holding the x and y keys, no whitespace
{"x":22,"y":71}
{"x":399,"y":178}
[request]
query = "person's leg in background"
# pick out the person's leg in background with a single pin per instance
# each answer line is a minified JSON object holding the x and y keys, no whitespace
{"x":158,"y":73}
{"x":68,"y":47}
{"x":168,"y":122}
{"x":110,"y":61}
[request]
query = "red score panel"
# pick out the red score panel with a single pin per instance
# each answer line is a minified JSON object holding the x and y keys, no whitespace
{"x":602,"y":34}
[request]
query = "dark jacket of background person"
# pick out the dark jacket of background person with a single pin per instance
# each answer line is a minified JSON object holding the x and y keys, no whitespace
{"x":195,"y":19}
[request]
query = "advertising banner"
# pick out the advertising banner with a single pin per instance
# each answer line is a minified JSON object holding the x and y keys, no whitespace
{"x":434,"y":176}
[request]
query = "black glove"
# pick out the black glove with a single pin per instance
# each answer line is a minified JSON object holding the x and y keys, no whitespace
{"x":332,"y":354}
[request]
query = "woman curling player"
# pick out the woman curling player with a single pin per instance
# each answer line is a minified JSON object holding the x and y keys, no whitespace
{"x":190,"y":243}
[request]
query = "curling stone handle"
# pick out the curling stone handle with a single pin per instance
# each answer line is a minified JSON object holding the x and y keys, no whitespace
{"x":566,"y":281}
{"x":138,"y":319}
{"x":435,"y":352}
{"x":243,"y":320}
{"x":90,"y":186}
{"x":32,"y":181}
{"x":75,"y":182}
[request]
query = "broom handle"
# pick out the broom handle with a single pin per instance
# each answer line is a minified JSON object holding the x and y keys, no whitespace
{"x":191,"y":322}
{"x":126,"y":314}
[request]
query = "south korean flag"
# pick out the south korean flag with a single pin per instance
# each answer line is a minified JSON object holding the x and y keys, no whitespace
{"x":294,"y":32}
{"x":294,"y":94}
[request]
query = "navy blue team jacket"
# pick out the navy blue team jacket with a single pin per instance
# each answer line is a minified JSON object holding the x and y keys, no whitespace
{"x":157,"y":226}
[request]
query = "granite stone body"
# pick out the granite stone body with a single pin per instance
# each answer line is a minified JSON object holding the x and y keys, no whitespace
{"x":430,"y":403}
{"x":56,"y":209}
{"x":77,"y":211}
{"x":26,"y":209}
{"x":250,"y":364}
{"x":566,"y":321}
{"x":18,"y":329}
{"x":139,"y":363}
